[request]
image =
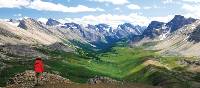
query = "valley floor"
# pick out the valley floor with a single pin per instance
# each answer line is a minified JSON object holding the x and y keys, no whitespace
{"x":127,"y":64}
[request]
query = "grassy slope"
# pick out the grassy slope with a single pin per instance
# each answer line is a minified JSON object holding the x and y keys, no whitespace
{"x":121,"y":62}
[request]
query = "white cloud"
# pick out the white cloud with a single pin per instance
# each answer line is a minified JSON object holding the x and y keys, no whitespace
{"x":23,"y":17}
{"x":4,"y":19}
{"x":110,"y":19}
{"x":162,"y":18}
{"x":117,"y":8}
{"x":43,"y":20}
{"x":115,"y":20}
{"x":115,"y":2}
{"x":175,"y":1}
{"x":155,"y":6}
{"x":167,"y":1}
{"x":191,"y":10}
{"x":196,"y":1}
{"x":100,"y":9}
{"x":133,"y":6}
{"x":48,"y":6}
{"x":18,"y":15}
{"x":45,"y":6}
{"x":147,"y":7}
{"x":13,"y":3}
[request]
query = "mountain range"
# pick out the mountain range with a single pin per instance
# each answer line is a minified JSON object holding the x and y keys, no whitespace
{"x":164,"y":56}
{"x":100,"y":36}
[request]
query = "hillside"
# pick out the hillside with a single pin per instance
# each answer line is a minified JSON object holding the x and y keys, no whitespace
{"x":182,"y":42}
{"x":26,"y":79}
{"x":133,"y":55}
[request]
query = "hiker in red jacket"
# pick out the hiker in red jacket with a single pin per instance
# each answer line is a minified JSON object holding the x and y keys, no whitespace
{"x":39,"y":69}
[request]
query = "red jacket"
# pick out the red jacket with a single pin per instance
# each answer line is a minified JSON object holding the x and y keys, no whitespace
{"x":38,"y":66}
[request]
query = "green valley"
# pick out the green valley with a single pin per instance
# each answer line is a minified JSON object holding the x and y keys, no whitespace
{"x":121,"y":62}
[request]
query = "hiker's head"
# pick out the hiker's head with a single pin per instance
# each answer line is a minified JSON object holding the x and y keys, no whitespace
{"x":38,"y":58}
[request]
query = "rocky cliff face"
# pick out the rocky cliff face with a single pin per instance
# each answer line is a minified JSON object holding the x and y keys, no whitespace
{"x":152,"y":29}
{"x":184,"y":41}
{"x":195,"y":35}
{"x":162,"y":30}
{"x":52,"y":22}
{"x":179,"y":21}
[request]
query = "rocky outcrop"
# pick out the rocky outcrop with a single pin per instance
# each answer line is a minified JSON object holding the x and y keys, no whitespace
{"x":195,"y":35}
{"x":101,"y":79}
{"x":182,"y":42}
{"x":27,"y":80}
{"x":7,"y":33}
{"x":60,"y":46}
{"x":15,"y":51}
{"x":190,"y":62}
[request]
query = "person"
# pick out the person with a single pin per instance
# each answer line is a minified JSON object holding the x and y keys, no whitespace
{"x":39,"y":69}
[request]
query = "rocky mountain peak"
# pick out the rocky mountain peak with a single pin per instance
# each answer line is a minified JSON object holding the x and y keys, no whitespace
{"x":29,"y":23}
{"x":72,"y":25}
{"x":150,"y":31}
{"x":13,"y":20}
{"x":135,"y":29}
{"x":103,"y":27}
{"x":179,"y":21}
{"x":52,"y":22}
{"x":89,"y":26}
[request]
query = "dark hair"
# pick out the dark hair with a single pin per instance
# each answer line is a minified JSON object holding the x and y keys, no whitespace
{"x":38,"y":58}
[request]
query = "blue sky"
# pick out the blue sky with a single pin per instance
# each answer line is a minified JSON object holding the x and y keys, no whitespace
{"x":112,"y":12}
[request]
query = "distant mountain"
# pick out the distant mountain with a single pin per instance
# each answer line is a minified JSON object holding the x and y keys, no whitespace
{"x":52,"y":22}
{"x":54,"y":32}
{"x":103,"y":28}
{"x":152,"y":30}
{"x":179,"y":21}
{"x":105,"y":33}
{"x":31,"y":24}
{"x":127,"y":30}
{"x":13,"y":20}
{"x":195,"y":35}
{"x":184,"y":41}
{"x":156,"y":28}
{"x":72,"y":26}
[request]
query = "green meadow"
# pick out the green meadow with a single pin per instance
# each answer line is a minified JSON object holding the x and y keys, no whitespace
{"x":121,"y":62}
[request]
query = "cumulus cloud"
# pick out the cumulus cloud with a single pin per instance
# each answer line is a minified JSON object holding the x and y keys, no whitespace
{"x":167,"y":1}
{"x":147,"y":7}
{"x":18,"y":15}
{"x":4,"y":19}
{"x":43,"y":20}
{"x":45,"y":6}
{"x":191,"y":10}
{"x":117,"y":8}
{"x":48,"y":6}
{"x":115,"y":2}
{"x":110,"y":19}
{"x":133,"y":6}
{"x":162,"y":18}
{"x":100,"y":9}
{"x":115,"y":20}
{"x":196,"y":1}
{"x":13,"y":3}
